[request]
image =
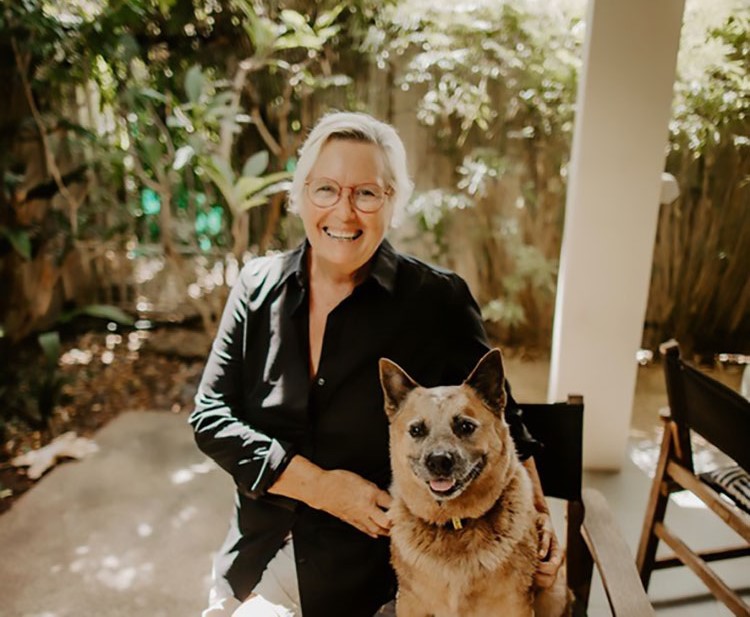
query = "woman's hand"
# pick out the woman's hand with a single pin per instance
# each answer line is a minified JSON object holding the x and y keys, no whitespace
{"x":550,"y":552}
{"x":354,"y":500}
{"x":341,"y":493}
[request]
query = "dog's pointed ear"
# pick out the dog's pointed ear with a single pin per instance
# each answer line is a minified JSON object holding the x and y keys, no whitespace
{"x":488,"y":381}
{"x":396,"y":385}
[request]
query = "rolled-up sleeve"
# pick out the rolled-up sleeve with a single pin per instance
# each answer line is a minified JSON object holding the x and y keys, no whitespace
{"x":469,"y":343}
{"x":254,"y":459}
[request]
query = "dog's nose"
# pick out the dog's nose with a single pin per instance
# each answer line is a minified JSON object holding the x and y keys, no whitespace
{"x":440,"y":463}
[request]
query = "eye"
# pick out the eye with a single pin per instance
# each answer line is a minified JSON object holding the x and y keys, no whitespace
{"x":368,"y":191}
{"x":418,"y":430}
{"x":325,"y":189}
{"x":463,"y":427}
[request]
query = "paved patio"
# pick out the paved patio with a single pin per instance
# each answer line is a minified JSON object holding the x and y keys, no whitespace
{"x":130,"y":530}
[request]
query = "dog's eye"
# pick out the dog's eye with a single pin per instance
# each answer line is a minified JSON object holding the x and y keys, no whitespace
{"x":418,"y":430}
{"x":463,"y":427}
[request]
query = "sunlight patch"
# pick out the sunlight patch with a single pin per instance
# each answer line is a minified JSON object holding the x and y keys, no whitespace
{"x":185,"y":515}
{"x":182,"y":476}
{"x":686,"y":499}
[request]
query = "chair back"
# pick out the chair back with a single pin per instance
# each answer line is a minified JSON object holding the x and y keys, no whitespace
{"x":700,"y":403}
{"x":592,"y":536}
{"x":558,"y":427}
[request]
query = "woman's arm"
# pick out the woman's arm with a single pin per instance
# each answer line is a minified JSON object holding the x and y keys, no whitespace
{"x":253,"y":458}
{"x":550,"y":551}
{"x":341,"y":493}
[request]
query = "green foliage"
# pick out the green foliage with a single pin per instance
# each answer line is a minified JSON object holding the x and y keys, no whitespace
{"x":186,"y":117}
{"x":712,"y":92}
{"x":102,"y":311}
{"x":19,"y":239}
{"x":496,"y":82}
{"x":699,"y":272}
{"x":464,"y":59}
{"x":38,"y":388}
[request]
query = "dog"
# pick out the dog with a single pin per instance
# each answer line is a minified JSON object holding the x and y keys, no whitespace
{"x":464,"y":535}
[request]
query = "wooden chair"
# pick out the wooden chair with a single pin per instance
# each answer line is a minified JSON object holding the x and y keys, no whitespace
{"x":722,"y":416}
{"x":592,"y":536}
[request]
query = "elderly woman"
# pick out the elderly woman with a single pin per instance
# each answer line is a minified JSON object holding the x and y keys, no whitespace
{"x":290,"y":402}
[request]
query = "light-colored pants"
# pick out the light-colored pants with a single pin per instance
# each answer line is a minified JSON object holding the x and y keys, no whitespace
{"x":276,"y":595}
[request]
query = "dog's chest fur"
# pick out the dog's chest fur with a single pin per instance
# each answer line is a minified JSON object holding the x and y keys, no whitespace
{"x":492,"y":557}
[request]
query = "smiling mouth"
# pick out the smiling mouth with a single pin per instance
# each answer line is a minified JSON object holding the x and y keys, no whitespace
{"x":344,"y":236}
{"x":449,"y":487}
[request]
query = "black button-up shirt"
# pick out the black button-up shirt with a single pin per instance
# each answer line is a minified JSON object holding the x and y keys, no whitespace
{"x":257,"y":406}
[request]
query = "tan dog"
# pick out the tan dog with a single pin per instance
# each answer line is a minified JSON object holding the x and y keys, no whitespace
{"x":464,"y":540}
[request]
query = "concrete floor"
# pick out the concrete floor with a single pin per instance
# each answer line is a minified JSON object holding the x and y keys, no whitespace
{"x":130,"y":530}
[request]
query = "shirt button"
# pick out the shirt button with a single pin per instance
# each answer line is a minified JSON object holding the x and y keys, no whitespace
{"x":321,"y":381}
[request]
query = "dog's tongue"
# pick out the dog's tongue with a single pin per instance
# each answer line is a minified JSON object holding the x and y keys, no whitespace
{"x":440,"y":486}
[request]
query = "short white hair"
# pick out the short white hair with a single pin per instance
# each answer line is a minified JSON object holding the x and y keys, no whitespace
{"x":359,"y":127}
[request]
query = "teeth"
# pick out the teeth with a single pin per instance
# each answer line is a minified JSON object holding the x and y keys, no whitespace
{"x":342,"y":235}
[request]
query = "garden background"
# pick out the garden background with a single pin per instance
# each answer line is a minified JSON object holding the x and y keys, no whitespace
{"x":145,"y":147}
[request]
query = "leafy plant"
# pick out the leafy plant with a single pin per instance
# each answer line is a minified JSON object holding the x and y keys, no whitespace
{"x":699,"y":292}
{"x":500,"y":106}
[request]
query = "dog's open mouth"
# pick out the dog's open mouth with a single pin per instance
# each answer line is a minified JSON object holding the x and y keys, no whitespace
{"x":442,"y":486}
{"x":449,"y":487}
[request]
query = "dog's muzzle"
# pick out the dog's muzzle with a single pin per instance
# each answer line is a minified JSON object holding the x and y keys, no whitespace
{"x":448,"y":475}
{"x":440,"y":463}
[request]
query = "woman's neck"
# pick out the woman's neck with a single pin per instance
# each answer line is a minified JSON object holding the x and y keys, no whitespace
{"x":327,"y":275}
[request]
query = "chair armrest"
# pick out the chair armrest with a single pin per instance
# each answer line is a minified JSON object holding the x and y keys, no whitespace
{"x":613,"y":559}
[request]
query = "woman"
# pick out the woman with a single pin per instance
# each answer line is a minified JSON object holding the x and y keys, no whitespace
{"x":290,"y":403}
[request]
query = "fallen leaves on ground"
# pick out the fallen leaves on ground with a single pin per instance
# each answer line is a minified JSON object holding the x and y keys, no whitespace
{"x":105,"y":374}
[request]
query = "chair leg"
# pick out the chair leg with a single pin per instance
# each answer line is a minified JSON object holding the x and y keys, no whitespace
{"x":655,"y":510}
{"x":580,"y":564}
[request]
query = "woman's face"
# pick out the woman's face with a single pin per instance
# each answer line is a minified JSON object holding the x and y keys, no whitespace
{"x":343,"y":239}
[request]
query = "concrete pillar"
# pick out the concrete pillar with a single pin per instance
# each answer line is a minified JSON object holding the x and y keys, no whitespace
{"x":621,"y":131}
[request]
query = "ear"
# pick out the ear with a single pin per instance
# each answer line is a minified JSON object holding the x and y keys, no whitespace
{"x":396,"y":385}
{"x":488,"y":381}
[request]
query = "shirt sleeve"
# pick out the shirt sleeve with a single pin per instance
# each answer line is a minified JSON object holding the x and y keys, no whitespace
{"x":469,"y":344}
{"x":254,"y":459}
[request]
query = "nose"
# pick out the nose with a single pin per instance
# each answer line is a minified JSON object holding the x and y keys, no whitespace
{"x":440,"y":463}
{"x":346,"y":198}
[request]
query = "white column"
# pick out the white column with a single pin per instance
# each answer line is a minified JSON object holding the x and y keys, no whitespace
{"x":621,"y":131}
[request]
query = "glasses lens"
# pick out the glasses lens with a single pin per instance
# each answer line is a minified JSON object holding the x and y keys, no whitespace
{"x":368,"y":197}
{"x":324,"y":193}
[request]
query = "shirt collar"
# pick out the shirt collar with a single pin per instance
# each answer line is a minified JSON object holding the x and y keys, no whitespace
{"x":294,"y":264}
{"x":383,"y":270}
{"x":384,"y":266}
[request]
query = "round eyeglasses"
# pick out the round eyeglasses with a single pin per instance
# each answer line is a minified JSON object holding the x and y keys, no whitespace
{"x":325,"y":193}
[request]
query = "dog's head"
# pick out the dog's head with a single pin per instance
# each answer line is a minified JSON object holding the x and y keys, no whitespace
{"x":443,"y":439}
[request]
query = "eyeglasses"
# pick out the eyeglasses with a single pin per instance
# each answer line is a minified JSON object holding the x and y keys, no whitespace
{"x":325,"y":193}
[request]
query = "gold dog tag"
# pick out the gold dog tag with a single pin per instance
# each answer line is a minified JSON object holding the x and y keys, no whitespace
{"x":456,"y":523}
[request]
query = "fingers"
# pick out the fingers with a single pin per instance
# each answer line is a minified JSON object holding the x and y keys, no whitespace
{"x":383,"y":499}
{"x":546,"y":534}
{"x":545,"y":541}
{"x":545,"y":575}
{"x":382,"y":521}
{"x":550,"y":553}
{"x":358,"y":502}
{"x":549,"y":565}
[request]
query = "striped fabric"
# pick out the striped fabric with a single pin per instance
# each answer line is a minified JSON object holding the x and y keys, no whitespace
{"x":733,"y":481}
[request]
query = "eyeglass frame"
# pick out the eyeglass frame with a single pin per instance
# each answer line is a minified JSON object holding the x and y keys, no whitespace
{"x":387,"y":192}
